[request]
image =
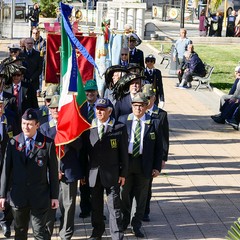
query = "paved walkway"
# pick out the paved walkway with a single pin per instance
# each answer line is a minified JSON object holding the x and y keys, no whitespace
{"x":197,"y":194}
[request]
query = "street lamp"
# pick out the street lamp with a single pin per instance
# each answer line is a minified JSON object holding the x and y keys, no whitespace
{"x":182,"y":13}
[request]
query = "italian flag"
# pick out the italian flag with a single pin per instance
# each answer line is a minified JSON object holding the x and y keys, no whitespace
{"x":70,"y":122}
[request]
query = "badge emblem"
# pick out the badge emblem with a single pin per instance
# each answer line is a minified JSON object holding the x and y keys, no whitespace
{"x":113,"y":143}
{"x":152,"y":136}
{"x":40,"y":162}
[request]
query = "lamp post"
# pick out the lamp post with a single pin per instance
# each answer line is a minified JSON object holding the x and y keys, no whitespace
{"x":182,"y":13}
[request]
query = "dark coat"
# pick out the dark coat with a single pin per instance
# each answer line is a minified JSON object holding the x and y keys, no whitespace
{"x":110,"y":154}
{"x":33,"y":179}
{"x":156,"y":80}
{"x":29,"y":99}
{"x":70,"y":163}
{"x":160,"y":114}
{"x":137,"y":57}
{"x":34,"y":65}
{"x":123,"y":106}
{"x":152,"y":155}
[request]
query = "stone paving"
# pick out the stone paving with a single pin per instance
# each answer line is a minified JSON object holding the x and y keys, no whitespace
{"x":197,"y":195}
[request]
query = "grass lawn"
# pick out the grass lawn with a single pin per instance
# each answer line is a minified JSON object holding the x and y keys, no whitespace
{"x":224,"y":58}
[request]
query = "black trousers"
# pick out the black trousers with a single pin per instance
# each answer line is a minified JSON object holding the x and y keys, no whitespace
{"x":21,"y":222}
{"x":7,"y":216}
{"x":113,"y":203}
{"x":136,"y":185}
{"x":85,"y":203}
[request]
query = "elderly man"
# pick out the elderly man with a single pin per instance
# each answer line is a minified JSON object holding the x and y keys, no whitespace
{"x":30,"y":171}
{"x":135,"y":55}
{"x":191,"y":66}
{"x":33,"y":63}
{"x":145,"y":149}
{"x":181,"y":46}
{"x":106,"y":147}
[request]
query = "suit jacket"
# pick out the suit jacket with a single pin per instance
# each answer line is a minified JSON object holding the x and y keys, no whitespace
{"x":109,"y":156}
{"x":152,"y":154}
{"x":137,"y":57}
{"x":156,"y":80}
{"x":10,"y":102}
{"x":29,"y":99}
{"x":34,"y":65}
{"x":160,"y":114}
{"x":33,"y":179}
{"x":123,"y":106}
{"x":70,"y":163}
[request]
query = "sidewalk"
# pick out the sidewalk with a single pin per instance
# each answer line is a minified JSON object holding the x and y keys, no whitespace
{"x":197,"y":194}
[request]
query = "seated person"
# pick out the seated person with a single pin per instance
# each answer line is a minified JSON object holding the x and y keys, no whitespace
{"x":235,"y":120}
{"x":229,"y":102}
{"x":191,"y":66}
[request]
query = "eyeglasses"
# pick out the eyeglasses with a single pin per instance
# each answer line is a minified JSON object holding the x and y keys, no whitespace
{"x":124,"y":54}
{"x":35,"y":33}
{"x":13,"y":51}
{"x":150,"y":60}
{"x":17,"y":75}
{"x":138,"y":106}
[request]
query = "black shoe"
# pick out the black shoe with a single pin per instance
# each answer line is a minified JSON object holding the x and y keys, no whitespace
{"x":137,"y":232}
{"x":233,"y":123}
{"x":146,"y":218}
{"x":95,"y":238}
{"x":84,"y":215}
{"x":218,"y":119}
{"x":6,"y":230}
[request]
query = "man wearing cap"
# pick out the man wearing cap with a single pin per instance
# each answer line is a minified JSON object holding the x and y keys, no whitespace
{"x":44,"y":113}
{"x":160,"y":114}
{"x":23,"y":92}
{"x":70,"y":171}
{"x":154,"y":76}
{"x":133,"y":85}
{"x":145,"y":149}
{"x":105,"y":145}
{"x":135,"y":55}
{"x":30,"y":170}
{"x":14,"y":51}
{"x":7,"y":126}
{"x":88,"y":111}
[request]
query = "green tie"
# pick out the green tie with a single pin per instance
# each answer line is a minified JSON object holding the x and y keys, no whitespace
{"x":91,"y":112}
{"x":101,"y":132}
{"x":137,"y":140}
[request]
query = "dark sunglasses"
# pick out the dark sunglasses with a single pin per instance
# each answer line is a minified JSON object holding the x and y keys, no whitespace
{"x":150,"y":60}
{"x":124,"y":54}
{"x":13,"y":51}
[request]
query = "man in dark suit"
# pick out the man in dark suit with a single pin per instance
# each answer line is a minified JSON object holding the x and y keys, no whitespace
{"x":88,"y":111}
{"x":135,"y":55}
{"x":30,"y":170}
{"x":106,"y":147}
{"x":145,"y":148}
{"x":33,"y":63}
{"x":70,"y":171}
{"x":154,"y":76}
{"x":160,"y":114}
{"x":133,"y":86}
{"x":23,"y":92}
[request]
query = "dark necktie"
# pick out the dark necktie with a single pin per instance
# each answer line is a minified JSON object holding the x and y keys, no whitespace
{"x":137,"y":140}
{"x":29,"y":148}
{"x":16,"y":92}
{"x":101,"y":132}
{"x":91,"y":113}
{"x":150,"y":72}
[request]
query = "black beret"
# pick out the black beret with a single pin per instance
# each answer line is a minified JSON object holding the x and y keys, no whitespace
{"x":30,"y":114}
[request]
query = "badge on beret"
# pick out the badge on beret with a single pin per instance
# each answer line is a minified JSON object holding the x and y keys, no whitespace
{"x":152,"y":136}
{"x":30,"y":116}
{"x":113,"y":143}
{"x":39,"y":144}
